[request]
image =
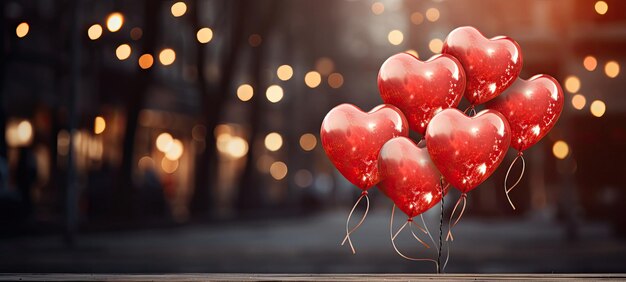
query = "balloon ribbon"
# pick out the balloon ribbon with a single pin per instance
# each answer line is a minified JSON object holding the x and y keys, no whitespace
{"x":472,"y":111}
{"x":393,"y":236}
{"x":462,"y":199}
{"x":348,"y":230}
{"x":507,"y":190}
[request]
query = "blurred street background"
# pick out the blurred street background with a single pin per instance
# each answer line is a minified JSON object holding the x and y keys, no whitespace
{"x":183,"y":136}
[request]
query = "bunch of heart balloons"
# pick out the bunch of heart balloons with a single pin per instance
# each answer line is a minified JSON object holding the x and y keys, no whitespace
{"x":459,"y":149}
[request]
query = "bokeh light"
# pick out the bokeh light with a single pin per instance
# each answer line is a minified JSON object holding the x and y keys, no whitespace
{"x":611,"y":69}
{"x":560,"y":149}
{"x":597,"y":108}
{"x":169,"y":166}
{"x":278,"y":170}
{"x":572,"y":84}
{"x":590,"y":63}
{"x":274,"y":93}
{"x":335,"y":80}
{"x":136,"y":33}
{"x":164,"y":142}
{"x":178,"y":9}
{"x":324,"y":65}
{"x":579,"y":101}
{"x":255,"y":40}
{"x":146,"y":61}
{"x":115,"y":22}
{"x":308,"y":141}
{"x":417,"y":18}
{"x":273,"y":141}
{"x":245,"y":92}
{"x":204,"y":35}
{"x":395,"y":37}
{"x":94,"y":32}
{"x":175,"y":150}
{"x":378,"y":8}
{"x":167,"y":57}
{"x":312,"y":79}
{"x":284,"y":72}
{"x":435,"y":45}
{"x":22,"y":29}
{"x":122,"y":52}
{"x":432,"y":14}
{"x":99,"y":125}
{"x":601,"y":7}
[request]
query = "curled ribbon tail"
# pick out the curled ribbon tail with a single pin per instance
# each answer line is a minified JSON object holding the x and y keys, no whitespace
{"x":350,"y":231}
{"x":451,"y":223}
{"x":393,"y":238}
{"x":508,"y":190}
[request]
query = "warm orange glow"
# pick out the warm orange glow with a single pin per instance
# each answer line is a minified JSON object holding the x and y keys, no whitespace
{"x":432,"y":14}
{"x":178,"y":9}
{"x":175,"y":151}
{"x":395,"y":37}
{"x":560,"y":149}
{"x":417,"y":18}
{"x":284,"y":72}
{"x":597,"y":108}
{"x":601,"y":7}
{"x":169,"y":166}
{"x":278,"y":170}
{"x":115,"y":22}
{"x":335,"y":80}
{"x":611,"y":69}
{"x":123,"y":52}
{"x":164,"y":142}
{"x":273,"y":141}
{"x":308,"y":141}
{"x":236,"y":147}
{"x":245,"y":92}
{"x":22,"y":29}
{"x":378,"y":8}
{"x":579,"y":101}
{"x":145,"y":163}
{"x":99,"y":125}
{"x":167,"y":57}
{"x":255,"y":40}
{"x":94,"y":32}
{"x":590,"y":63}
{"x":18,"y":134}
{"x":324,"y":65}
{"x":274,"y":93}
{"x":435,"y":45}
{"x":312,"y":79}
{"x":204,"y":35}
{"x":146,"y":61}
{"x":572,"y":84}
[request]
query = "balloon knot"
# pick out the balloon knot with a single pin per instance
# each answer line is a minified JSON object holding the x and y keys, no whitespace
{"x":463,"y":195}
{"x":410,"y":219}
{"x":520,"y":153}
{"x":364,"y":193}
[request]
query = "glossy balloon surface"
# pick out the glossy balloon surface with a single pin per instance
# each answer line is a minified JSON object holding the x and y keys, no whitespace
{"x":409,"y":177}
{"x":532,"y":107}
{"x":467,"y":150}
{"x":491,"y":65}
{"x":420,"y":89}
{"x":352,"y":139}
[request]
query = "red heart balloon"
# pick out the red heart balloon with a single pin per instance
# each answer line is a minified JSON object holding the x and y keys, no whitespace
{"x":408,"y":176}
{"x":531,"y":107}
{"x":467,"y":150}
{"x":491,"y":65}
{"x":420,"y":89}
{"x":352,"y":139}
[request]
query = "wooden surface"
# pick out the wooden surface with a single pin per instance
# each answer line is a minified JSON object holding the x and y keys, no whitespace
{"x":306,"y":277}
